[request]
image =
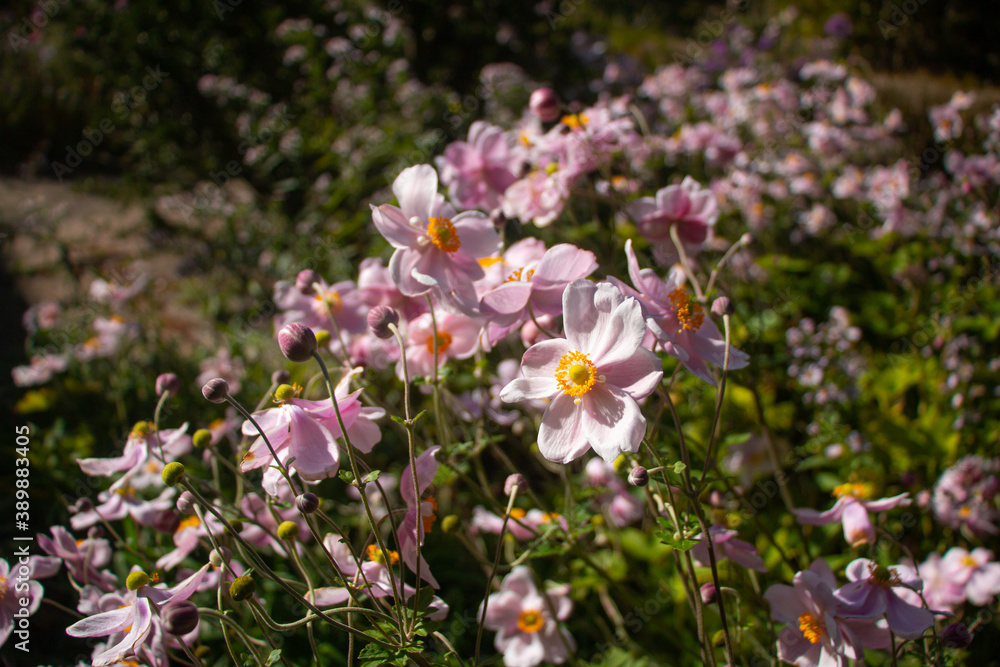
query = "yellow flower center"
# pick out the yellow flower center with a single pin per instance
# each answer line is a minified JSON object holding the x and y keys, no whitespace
{"x":969,"y":561}
{"x":690,"y":315}
{"x":517,"y":275}
{"x":575,"y":120}
{"x":286,"y":392}
{"x":517,"y":513}
{"x":126,"y":492}
{"x":333,"y":298}
{"x":810,"y":627}
{"x":443,"y":234}
{"x":190,"y":522}
{"x":429,"y":518}
{"x":883,"y":576}
{"x":549,"y":517}
{"x":965,"y":512}
{"x":857,"y":490}
{"x":3,"y":588}
{"x":575,"y":373}
{"x":142,"y":429}
{"x":530,"y":620}
{"x":443,"y":342}
{"x":376,"y":555}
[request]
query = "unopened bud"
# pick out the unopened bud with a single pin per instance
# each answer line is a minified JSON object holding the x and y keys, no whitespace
{"x":172,"y":473}
{"x":179,"y":618}
{"x":242,"y":588}
{"x":297,"y":342}
{"x":518,"y":480}
{"x":219,"y":556}
{"x":638,"y":477}
{"x":544,"y":104}
{"x":280,"y":377}
{"x":216,"y":390}
{"x":379,"y":319}
{"x":956,"y":635}
{"x":322,"y":338}
{"x":167,"y":384}
{"x":449,"y":523}
{"x":202,"y":438}
{"x":288,"y":530}
{"x":305,"y":280}
{"x":709,"y":593}
{"x":185,"y":503}
{"x":136,"y":580}
{"x":722,"y":306}
{"x":307,"y":503}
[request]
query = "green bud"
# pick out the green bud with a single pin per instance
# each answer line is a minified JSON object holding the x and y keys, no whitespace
{"x":449,"y":523}
{"x":136,"y":580}
{"x":236,"y":525}
{"x":202,"y":438}
{"x":172,"y":473}
{"x":242,"y":588}
{"x":284,"y":392}
{"x":322,"y":338}
{"x":288,"y":530}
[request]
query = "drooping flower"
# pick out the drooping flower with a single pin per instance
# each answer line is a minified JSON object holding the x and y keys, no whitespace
{"x":679,"y":323}
{"x":478,"y":171}
{"x":435,"y":248}
{"x":873,"y":594}
{"x":522,"y":617}
{"x":727,"y":546}
{"x":593,"y":377}
{"x":852,"y":509}
{"x":689,"y":207}
{"x":83,"y":558}
{"x":409,"y":532}
{"x":815,"y":634}
{"x":140,"y":467}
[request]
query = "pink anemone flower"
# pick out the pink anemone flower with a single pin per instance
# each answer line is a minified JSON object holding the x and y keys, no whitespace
{"x":593,"y":377}
{"x":457,"y":338}
{"x":727,"y":545}
{"x":691,"y":208}
{"x":872,"y":593}
{"x":83,"y":558}
{"x":18,"y":584}
{"x":852,"y":509}
{"x":478,"y":171}
{"x":435,"y":248}
{"x":409,"y":532}
{"x":973,"y":570}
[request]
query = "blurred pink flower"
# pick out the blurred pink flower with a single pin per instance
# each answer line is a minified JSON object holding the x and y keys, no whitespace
{"x":691,"y":208}
{"x":478,"y":171}
{"x":852,"y":509}
{"x":727,"y":545}
{"x":872,"y":595}
{"x":975,"y":571}
{"x":457,"y":338}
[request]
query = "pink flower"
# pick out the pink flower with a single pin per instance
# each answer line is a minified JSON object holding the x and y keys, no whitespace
{"x":478,"y":171}
{"x":527,"y":633}
{"x":692,"y":209}
{"x":18,"y":584}
{"x":727,"y":545}
{"x":344,"y":299}
{"x":594,"y":376}
{"x":187,"y":537}
{"x":534,"y":288}
{"x":522,"y":525}
{"x":680,"y":325}
{"x":457,"y":338}
{"x":435,"y":249}
{"x":140,"y":468}
{"x":40,"y":370}
{"x":82,"y":558}
{"x":409,"y":532}
{"x":941,"y":590}
{"x":852,"y":509}
{"x":872,"y":594}
{"x":121,"y":501}
{"x":974,"y":571}
{"x":539,"y":197}
{"x":621,"y":505}
{"x":815,"y":634}
{"x":222,"y":365}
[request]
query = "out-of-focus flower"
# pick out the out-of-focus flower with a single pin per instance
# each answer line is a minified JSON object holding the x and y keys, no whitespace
{"x":222,"y":365}
{"x":409,"y":532}
{"x":974,"y":570}
{"x":966,"y":495}
{"x":83,"y":558}
{"x":457,"y":338}
{"x":727,"y":545}
{"x":687,"y":206}
{"x":852,"y":509}
{"x":478,"y":171}
{"x":873,"y":594}
{"x":18,"y":584}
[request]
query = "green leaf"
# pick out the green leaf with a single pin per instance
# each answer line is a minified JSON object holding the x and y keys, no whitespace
{"x":371,"y":477}
{"x":679,"y":467}
{"x":667,"y":537}
{"x":274,"y":657}
{"x":347,"y":476}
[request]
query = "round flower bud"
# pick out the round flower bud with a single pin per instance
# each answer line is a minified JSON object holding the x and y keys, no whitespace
{"x":167,"y":384}
{"x":307,"y":503}
{"x":202,"y":438}
{"x":379,"y":319}
{"x":136,"y":580}
{"x":219,"y":556}
{"x":236,"y":525}
{"x":166,"y":522}
{"x":322,"y":338}
{"x":82,"y":505}
{"x":297,"y":342}
{"x":216,"y":390}
{"x":142,"y":429}
{"x":288,"y":530}
{"x":544,"y":104}
{"x":746,"y":239}
{"x":956,"y":635}
{"x":449,"y":523}
{"x":722,"y":306}
{"x":284,"y":392}
{"x":518,"y":480}
{"x":242,"y":588}
{"x":305,"y":280}
{"x":179,"y":618}
{"x":172,"y":473}
{"x":709,"y":593}
{"x":280,"y":377}
{"x":638,"y":477}
{"x":185,"y":503}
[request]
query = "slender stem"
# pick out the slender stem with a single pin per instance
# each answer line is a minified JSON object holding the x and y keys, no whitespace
{"x":719,"y":395}
{"x":281,"y":466}
{"x":156,"y":423}
{"x":496,"y":564}
{"x":722,"y":262}
{"x":686,"y":263}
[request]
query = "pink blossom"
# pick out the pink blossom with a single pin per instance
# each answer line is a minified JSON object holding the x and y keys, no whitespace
{"x":620,"y":505}
{"x":539,"y":197}
{"x":82,"y":558}
{"x":727,"y":546}
{"x":343,"y":298}
{"x":527,"y":633}
{"x":852,"y":509}
{"x":687,"y":206}
{"x":18,"y":584}
{"x":872,"y":594}
{"x":522,"y":525}
{"x":137,"y":462}
{"x":436,"y":250}
{"x":975,"y":571}
{"x":457,"y":338}
{"x":222,"y":365}
{"x":117,"y":503}
{"x":40,"y":370}
{"x":478,"y":171}
{"x":941,"y":591}
{"x":593,"y":377}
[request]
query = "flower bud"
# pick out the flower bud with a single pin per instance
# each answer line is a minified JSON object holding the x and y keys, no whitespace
{"x":185,"y":503}
{"x":216,"y":390}
{"x":746,"y":239}
{"x":179,"y":618}
{"x":449,"y":523}
{"x":81,"y":505}
{"x":136,"y":580}
{"x":544,"y":104}
{"x":172,"y":473}
{"x":288,"y":530}
{"x":166,"y":522}
{"x":219,"y":556}
{"x":322,"y":338}
{"x":379,"y":319}
{"x":305,"y":280}
{"x":956,"y":635}
{"x":202,"y":438}
{"x":518,"y":480}
{"x":242,"y":588}
{"x":722,"y":306}
{"x":284,"y":393}
{"x":638,"y":477}
{"x":307,"y":503}
{"x":167,"y":384}
{"x":280,"y":377}
{"x":709,"y":593}
{"x":236,"y":525}
{"x":297,"y":342}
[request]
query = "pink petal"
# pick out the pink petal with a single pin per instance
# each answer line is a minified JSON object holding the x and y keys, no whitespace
{"x":561,"y":437}
{"x":562,"y":264}
{"x":637,"y":376}
{"x":884,"y":504}
{"x":813,"y":518}
{"x":542,"y":359}
{"x":477,"y":234}
{"x":427,"y":467}
{"x":103,"y":624}
{"x":416,"y":190}
{"x":393,"y":224}
{"x":612,"y":422}
{"x":907,"y":621}
{"x":858,"y":528}
{"x":524,"y":389}
{"x":508,"y":298}
{"x":315,"y":450}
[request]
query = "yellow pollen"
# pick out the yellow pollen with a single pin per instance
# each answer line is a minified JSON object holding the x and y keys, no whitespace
{"x":525,"y":139}
{"x":810,"y":627}
{"x":969,"y":561}
{"x":883,"y":576}
{"x":429,"y":518}
{"x":443,"y":234}
{"x":487,"y":262}
{"x":551,"y":168}
{"x":80,"y":541}
{"x":530,"y":620}
{"x":3,"y":588}
{"x":216,"y":424}
{"x":126,"y":492}
{"x":332,"y":298}
{"x":517,"y":275}
{"x":117,"y":319}
{"x":575,"y":120}
{"x":443,"y":341}
{"x":376,"y":555}
{"x":190,"y":522}
{"x":152,"y":467}
{"x":575,"y":373}
{"x":856,"y":490}
{"x":690,"y":315}
{"x":517,"y":513}
{"x":549,"y":517}
{"x":154,"y":578}
{"x":964,"y":512}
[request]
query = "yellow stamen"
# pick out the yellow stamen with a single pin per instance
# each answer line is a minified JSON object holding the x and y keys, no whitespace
{"x":376,"y":555}
{"x":126,"y":492}
{"x":965,"y":512}
{"x":969,"y":561}
{"x":443,"y":341}
{"x":443,"y":234}
{"x":810,"y":627}
{"x":575,"y":373}
{"x":3,"y":588}
{"x":286,"y":392}
{"x":516,"y":276}
{"x":856,"y":490}
{"x":575,"y":120}
{"x":332,"y":298}
{"x":549,"y":517}
{"x":487,"y":262}
{"x":190,"y":522}
{"x":690,"y":315}
{"x":530,"y":620}
{"x":429,"y":518}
